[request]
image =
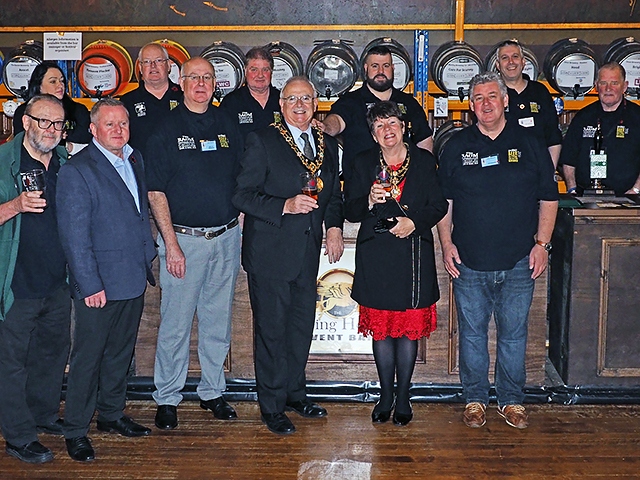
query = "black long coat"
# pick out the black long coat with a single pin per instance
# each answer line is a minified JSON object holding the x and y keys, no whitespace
{"x":396,"y":273}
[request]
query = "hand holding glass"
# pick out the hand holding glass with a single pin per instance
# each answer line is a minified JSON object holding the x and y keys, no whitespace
{"x":33,"y":181}
{"x":309,"y":184}
{"x":383,"y":178}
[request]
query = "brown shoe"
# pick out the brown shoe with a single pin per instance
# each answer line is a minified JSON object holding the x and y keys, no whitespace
{"x":474,"y":415}
{"x":514,"y":415}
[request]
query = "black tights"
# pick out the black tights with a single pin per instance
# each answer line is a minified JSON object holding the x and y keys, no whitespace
{"x":395,"y":357}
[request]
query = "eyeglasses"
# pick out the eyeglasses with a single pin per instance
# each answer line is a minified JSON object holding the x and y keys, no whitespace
{"x":293,"y":99}
{"x":157,"y":61}
{"x":206,"y":78}
{"x":264,"y":71}
{"x":45,"y":124}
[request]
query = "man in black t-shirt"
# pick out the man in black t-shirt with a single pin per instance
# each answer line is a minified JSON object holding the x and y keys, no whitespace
{"x":499,"y":180}
{"x":192,"y":162}
{"x":530,"y":103}
{"x":348,"y":116}
{"x":155,"y":96}
{"x":619,"y":121}
{"x":255,"y":105}
{"x":35,"y":305}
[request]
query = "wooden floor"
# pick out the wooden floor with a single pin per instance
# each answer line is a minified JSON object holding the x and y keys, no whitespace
{"x":562,"y":442}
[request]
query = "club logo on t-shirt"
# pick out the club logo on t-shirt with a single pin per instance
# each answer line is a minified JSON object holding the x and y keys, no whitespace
{"x":533,"y":106}
{"x":513,"y":155}
{"x":173,"y":104}
{"x":470,"y":158}
{"x":224,"y":142}
{"x":186,"y":143}
{"x":140,"y":109}
{"x":245,"y":117}
{"x":588,"y":131}
{"x":402,"y":108}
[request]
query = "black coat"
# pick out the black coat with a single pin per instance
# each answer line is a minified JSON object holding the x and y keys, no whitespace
{"x":396,"y":273}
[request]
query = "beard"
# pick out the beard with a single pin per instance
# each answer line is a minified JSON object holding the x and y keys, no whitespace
{"x":380,"y":85}
{"x":41,"y":143}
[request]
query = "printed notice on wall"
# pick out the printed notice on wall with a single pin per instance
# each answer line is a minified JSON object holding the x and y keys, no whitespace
{"x":62,"y":45}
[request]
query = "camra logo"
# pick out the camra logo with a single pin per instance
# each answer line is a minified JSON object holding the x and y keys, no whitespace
{"x":245,"y":117}
{"x":334,"y":293}
{"x":140,"y":109}
{"x":186,"y":143}
{"x":588,"y":131}
{"x":470,"y":158}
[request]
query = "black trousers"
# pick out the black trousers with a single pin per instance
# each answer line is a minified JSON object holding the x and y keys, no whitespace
{"x":103,"y":344}
{"x":284,"y":316}
{"x":34,"y":348}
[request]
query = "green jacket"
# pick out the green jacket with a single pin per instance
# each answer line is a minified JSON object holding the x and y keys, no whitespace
{"x":10,"y":188}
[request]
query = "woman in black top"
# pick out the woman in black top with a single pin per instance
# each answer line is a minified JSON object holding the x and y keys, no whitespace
{"x":48,"y":78}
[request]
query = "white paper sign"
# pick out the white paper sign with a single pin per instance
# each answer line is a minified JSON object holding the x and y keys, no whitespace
{"x":62,"y":45}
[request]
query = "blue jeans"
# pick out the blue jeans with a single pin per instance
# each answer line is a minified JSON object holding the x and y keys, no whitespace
{"x":507,"y":295}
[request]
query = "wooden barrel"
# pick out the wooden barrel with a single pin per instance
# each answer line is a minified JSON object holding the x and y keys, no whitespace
{"x":570,"y":67}
{"x":105,"y":69}
{"x":228,"y":62}
{"x":453,"y":66}
{"x":19,"y":65}
{"x":332,"y":67}
{"x":287,"y":62}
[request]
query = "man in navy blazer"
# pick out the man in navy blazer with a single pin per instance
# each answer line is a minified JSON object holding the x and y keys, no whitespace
{"x":281,"y":245}
{"x":105,"y":232}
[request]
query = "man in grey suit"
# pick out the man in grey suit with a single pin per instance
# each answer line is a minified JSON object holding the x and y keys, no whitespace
{"x":281,"y":245}
{"x":105,"y":232}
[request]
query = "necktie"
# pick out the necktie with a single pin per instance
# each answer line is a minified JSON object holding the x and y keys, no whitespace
{"x":307,"y":150}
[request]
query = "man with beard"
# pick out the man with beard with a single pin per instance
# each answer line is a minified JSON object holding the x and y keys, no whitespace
{"x":35,"y":306}
{"x":256,"y":104}
{"x":348,"y":116}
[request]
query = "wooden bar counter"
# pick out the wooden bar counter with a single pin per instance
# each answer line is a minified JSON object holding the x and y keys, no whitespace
{"x":437,"y":358}
{"x":594,"y":309}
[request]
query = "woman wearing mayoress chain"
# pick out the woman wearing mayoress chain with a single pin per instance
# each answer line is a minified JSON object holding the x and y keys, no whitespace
{"x":395,"y":278}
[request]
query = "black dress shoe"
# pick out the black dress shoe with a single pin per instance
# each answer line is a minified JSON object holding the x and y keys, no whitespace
{"x":278,"y":423}
{"x":220,"y":408}
{"x":381,"y":416}
{"x":402,"y":419}
{"x":124,"y":426}
{"x":33,"y":452}
{"x":54,"y":428}
{"x":306,"y":408}
{"x":167,"y":417}
{"x":80,"y":449}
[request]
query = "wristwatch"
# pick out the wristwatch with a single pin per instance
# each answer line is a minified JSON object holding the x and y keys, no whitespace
{"x":546,"y":246}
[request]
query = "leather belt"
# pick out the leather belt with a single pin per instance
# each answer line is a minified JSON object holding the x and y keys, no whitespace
{"x":207,"y":234}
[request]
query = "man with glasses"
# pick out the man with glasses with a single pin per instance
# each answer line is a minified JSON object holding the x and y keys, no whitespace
{"x":256,"y":104}
{"x":155,"y":96}
{"x":348,"y":115}
{"x":192,"y":161}
{"x":618,"y":119}
{"x":530,"y":103}
{"x":281,"y":245}
{"x":35,"y":305}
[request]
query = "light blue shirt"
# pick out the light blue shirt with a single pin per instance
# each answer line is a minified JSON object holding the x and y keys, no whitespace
{"x":296,"y":132}
{"x":124,"y":169}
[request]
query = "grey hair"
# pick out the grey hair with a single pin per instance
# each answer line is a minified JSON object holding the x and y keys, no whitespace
{"x":105,"y":102}
{"x":298,"y":78}
{"x":165,"y":54}
{"x":487,"y":77}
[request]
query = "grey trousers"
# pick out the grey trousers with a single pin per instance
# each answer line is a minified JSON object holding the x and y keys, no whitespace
{"x":207,"y":288}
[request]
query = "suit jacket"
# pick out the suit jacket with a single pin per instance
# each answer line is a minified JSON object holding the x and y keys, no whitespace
{"x":274,"y":244}
{"x":108,"y":243}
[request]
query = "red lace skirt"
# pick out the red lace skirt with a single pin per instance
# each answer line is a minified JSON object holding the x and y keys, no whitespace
{"x":413,"y":324}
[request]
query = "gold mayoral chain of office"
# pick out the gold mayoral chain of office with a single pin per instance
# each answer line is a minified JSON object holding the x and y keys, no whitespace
{"x":396,"y":176}
{"x":311,"y":164}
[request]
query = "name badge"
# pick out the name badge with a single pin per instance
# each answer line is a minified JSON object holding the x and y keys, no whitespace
{"x":489,"y":161}
{"x":526,"y":122}
{"x":208,"y":145}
